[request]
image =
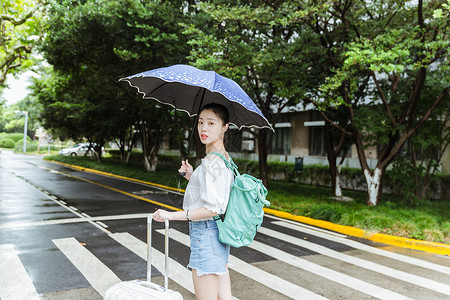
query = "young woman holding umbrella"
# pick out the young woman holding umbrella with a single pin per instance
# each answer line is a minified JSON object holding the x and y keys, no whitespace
{"x":206,"y":196}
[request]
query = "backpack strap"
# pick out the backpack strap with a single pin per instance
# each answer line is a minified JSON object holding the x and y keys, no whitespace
{"x":230,"y":164}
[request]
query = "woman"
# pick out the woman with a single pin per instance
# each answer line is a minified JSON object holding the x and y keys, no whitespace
{"x":207,"y":196}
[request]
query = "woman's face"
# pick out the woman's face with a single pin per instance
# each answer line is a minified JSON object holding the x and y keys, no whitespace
{"x":210,"y":127}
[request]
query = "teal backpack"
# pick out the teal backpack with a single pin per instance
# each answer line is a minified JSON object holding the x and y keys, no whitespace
{"x":244,"y":214}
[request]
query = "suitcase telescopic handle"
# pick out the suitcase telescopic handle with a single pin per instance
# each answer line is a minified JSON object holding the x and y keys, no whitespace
{"x":149,"y":251}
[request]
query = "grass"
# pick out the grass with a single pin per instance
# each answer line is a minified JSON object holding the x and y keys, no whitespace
{"x":426,"y":220}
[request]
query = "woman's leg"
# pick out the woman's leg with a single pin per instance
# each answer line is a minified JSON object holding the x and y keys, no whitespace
{"x":212,"y":287}
{"x":206,"y":286}
{"x":224,"y":287}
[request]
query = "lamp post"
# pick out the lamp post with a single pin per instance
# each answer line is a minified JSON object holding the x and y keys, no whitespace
{"x":24,"y":113}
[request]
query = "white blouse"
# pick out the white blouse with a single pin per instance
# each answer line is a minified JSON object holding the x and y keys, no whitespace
{"x":209,"y":186}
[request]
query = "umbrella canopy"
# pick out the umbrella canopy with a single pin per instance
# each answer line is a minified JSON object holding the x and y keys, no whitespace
{"x":188,"y":89}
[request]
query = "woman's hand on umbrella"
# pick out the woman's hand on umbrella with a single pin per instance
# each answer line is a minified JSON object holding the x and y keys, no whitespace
{"x":160,"y":215}
{"x":186,"y":168}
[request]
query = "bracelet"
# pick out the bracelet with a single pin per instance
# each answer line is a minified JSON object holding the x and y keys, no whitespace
{"x":187,"y":215}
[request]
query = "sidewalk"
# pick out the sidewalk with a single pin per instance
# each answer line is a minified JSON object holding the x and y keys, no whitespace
{"x":430,"y":247}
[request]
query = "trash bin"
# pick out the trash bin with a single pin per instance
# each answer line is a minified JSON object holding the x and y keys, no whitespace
{"x":299,"y":164}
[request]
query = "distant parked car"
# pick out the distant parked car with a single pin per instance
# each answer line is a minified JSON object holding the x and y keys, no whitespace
{"x":79,"y":150}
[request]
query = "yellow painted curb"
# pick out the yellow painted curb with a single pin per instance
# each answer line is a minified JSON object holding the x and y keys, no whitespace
{"x":437,"y":248}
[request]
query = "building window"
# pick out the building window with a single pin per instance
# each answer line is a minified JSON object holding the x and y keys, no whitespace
{"x":317,"y":141}
{"x":317,"y":136}
{"x":281,"y":141}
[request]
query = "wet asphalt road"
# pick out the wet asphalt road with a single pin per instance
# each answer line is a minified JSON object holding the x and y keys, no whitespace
{"x":44,"y":206}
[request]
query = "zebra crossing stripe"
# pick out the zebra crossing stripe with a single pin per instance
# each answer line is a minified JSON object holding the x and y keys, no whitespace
{"x":14,"y":280}
{"x":351,"y":282}
{"x":414,"y":279}
{"x":96,"y":273}
{"x":274,"y":282}
{"x":370,"y":249}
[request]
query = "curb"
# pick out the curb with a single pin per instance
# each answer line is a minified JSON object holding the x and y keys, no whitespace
{"x":431,"y":247}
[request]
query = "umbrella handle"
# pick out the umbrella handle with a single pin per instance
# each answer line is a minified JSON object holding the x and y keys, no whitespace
{"x":182,"y":174}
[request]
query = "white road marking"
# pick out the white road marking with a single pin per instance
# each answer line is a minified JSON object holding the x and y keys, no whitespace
{"x":14,"y":280}
{"x":370,"y":249}
{"x":413,"y":279}
{"x":73,"y":208}
{"x":98,"y":275}
{"x":340,"y":278}
{"x":102,"y":224}
{"x":72,"y":220}
{"x":308,"y":228}
{"x":86,"y":215}
{"x":274,"y":282}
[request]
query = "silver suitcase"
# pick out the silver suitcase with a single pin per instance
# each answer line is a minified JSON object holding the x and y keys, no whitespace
{"x":143,"y":290}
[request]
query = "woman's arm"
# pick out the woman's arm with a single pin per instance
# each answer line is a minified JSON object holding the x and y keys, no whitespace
{"x":195,"y":214}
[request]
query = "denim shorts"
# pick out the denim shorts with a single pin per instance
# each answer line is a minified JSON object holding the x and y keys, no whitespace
{"x":208,"y":254}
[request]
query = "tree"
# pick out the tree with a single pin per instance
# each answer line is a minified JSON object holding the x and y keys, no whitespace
{"x":20,"y":31}
{"x":93,"y":44}
{"x":377,"y":68}
{"x":241,"y":40}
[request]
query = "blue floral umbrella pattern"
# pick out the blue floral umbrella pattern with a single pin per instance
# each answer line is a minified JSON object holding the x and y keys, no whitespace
{"x":187,"y":89}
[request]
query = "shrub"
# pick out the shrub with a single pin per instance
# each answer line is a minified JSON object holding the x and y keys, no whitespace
{"x":16,"y":136}
{"x":7,"y":143}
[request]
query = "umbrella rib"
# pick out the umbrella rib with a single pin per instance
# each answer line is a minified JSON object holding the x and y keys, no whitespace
{"x":196,"y":121}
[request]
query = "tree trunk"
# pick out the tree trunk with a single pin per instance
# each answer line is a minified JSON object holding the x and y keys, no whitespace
{"x":331,"y":155}
{"x":337,"y":186}
{"x":150,"y":163}
{"x":373,"y":186}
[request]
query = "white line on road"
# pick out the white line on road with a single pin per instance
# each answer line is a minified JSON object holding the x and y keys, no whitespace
{"x":71,"y":220}
{"x":274,"y":282}
{"x":340,"y":278}
{"x":308,"y":228}
{"x":98,"y":275}
{"x":102,"y":224}
{"x":416,"y":280}
{"x":14,"y":280}
{"x":370,"y":249}
{"x":86,"y":215}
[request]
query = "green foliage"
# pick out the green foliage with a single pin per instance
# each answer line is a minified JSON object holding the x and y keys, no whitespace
{"x":105,"y":41}
{"x":20,"y":21}
{"x":16,"y":137}
{"x":20,"y":142}
{"x":6,"y":143}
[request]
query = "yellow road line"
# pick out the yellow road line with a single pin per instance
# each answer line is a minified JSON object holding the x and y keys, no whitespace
{"x":437,"y":248}
{"x":117,"y":176}
{"x":114,"y":189}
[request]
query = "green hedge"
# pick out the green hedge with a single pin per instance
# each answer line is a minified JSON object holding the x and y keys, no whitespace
{"x":319,"y":175}
{"x":7,"y":143}
{"x":15,"y":136}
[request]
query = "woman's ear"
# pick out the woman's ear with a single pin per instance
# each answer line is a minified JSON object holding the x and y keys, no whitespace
{"x":226,"y":127}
